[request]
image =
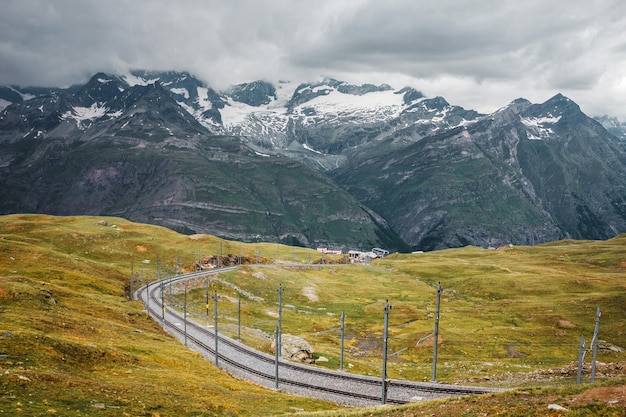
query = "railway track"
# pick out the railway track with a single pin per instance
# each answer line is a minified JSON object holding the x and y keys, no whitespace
{"x":260,"y":368}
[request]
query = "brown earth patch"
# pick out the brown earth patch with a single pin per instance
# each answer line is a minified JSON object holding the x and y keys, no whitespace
{"x":141,"y":249}
{"x":364,"y":345}
{"x":566,"y":324}
{"x":607,"y":395}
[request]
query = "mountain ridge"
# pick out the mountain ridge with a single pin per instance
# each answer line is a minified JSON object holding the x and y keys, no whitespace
{"x":416,"y":165}
{"x":152,"y":161}
{"x":499,"y":153}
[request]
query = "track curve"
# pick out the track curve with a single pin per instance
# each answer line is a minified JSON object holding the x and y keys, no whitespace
{"x":258,"y":367}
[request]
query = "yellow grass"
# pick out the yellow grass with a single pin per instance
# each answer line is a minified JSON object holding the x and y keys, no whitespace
{"x":71,"y":342}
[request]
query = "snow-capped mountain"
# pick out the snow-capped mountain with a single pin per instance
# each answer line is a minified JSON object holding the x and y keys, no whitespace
{"x":527,"y":173}
{"x":263,"y":161}
{"x":112,"y":148}
{"x":320,"y":123}
{"x":323,"y":123}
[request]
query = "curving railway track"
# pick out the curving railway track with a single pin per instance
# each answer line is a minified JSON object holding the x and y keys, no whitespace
{"x":260,"y":368}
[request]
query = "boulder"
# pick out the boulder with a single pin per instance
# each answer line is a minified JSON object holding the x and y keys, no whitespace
{"x":295,"y":348}
{"x":604,"y":345}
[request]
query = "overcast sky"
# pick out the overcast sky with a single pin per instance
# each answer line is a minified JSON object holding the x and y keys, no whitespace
{"x":479,"y":54}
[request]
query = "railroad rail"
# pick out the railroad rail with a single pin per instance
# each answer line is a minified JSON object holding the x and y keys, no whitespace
{"x":261,"y":368}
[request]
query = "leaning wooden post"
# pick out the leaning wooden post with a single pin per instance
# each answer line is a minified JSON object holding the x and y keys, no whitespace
{"x":594,"y":345}
{"x":581,"y":356}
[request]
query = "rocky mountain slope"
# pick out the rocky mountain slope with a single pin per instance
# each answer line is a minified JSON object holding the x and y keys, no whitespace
{"x":528,"y":173}
{"x":312,"y":163}
{"x":133,"y":151}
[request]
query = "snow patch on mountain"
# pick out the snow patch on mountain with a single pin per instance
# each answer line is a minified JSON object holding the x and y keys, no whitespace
{"x":333,"y":105}
{"x":133,"y":80}
{"x":203,"y":98}
{"x":36,"y":135}
{"x":25,"y":96}
{"x":198,"y":107}
{"x":84,"y":114}
{"x":539,"y":128}
{"x":181,"y":92}
{"x":441,"y":115}
{"x":236,"y":113}
{"x":269,"y":121}
{"x":336,"y":108}
{"x":308,"y":148}
{"x":336,"y":100}
{"x":284,"y":93}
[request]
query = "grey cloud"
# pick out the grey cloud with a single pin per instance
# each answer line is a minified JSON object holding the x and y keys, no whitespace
{"x":507,"y":48}
{"x":458,"y":38}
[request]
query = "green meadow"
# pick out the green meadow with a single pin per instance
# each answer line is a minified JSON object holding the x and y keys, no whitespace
{"x":508,"y":310}
{"x":73,"y":343}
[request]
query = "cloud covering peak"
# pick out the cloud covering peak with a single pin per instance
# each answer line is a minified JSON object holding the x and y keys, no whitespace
{"x":480,"y":54}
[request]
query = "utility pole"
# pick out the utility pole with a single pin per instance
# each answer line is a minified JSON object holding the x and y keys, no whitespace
{"x":219,"y":257}
{"x":594,"y":345}
{"x":280,"y":318}
{"x":436,"y":334}
{"x":276,"y":356}
{"x":215,"y":313}
{"x":239,"y":318}
{"x":171,"y":299}
{"x":343,"y":318}
{"x":162,"y":302}
{"x":185,"y":315}
{"x":132,"y":273}
{"x":207,"y":302}
{"x":199,"y":259}
{"x":385,"y":382}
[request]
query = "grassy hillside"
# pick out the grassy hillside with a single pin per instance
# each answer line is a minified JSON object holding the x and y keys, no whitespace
{"x":516,"y":309}
{"x":72,"y":344}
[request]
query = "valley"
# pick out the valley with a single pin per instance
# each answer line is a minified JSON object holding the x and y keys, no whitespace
{"x":505,"y":313}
